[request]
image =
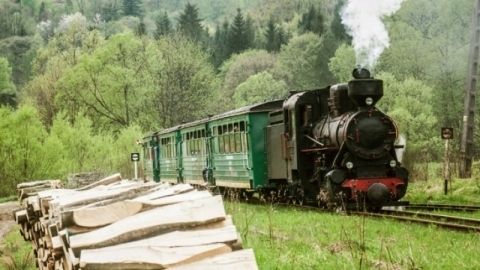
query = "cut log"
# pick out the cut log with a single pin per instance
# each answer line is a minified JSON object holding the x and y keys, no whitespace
{"x":152,"y":222}
{"x":238,"y":260}
{"x":100,"y":216}
{"x":148,"y":257}
{"x":105,"y":181}
{"x":227,"y":235}
{"x":21,"y":216}
{"x":163,"y":192}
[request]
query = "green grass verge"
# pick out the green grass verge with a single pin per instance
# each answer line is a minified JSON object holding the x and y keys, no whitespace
{"x":9,"y":199}
{"x":16,"y":253}
{"x":289,"y":239}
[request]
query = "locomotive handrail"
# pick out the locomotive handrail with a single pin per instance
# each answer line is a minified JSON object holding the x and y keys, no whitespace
{"x":315,"y":141}
{"x":284,"y":146}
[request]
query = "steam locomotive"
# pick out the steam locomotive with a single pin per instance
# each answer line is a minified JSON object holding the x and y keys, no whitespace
{"x":331,"y":147}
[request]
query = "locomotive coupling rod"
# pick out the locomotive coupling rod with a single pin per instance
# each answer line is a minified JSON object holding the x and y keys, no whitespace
{"x":315,"y":141}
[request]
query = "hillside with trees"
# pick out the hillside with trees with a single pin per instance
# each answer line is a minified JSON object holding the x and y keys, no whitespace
{"x":82,"y":80}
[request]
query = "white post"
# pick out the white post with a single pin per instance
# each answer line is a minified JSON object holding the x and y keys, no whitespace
{"x":136,"y":170}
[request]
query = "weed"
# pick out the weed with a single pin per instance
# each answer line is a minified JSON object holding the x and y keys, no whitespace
{"x":16,"y":254}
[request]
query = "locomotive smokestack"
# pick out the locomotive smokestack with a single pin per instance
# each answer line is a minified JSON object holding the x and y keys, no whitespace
{"x":364,"y":90}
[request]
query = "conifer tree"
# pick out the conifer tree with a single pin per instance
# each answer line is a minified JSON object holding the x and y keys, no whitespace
{"x":141,"y":29}
{"x":220,"y":45}
{"x":164,"y":26}
{"x":132,"y":8}
{"x":241,"y":34}
{"x":337,"y":28}
{"x":312,"y":21}
{"x":189,"y":24}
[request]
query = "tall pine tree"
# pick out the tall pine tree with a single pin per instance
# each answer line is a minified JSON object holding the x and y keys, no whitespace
{"x":241,"y":34}
{"x":312,"y":21}
{"x":164,"y":26}
{"x":275,"y":36}
{"x":337,"y":28}
{"x":132,"y":8}
{"x":189,"y":24}
{"x":220,"y":45}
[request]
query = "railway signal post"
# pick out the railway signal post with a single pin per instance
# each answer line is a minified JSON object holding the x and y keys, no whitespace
{"x":447,"y":135}
{"x":135,"y":157}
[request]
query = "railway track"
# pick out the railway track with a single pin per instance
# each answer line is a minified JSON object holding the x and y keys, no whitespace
{"x":443,"y":207}
{"x":442,"y":221}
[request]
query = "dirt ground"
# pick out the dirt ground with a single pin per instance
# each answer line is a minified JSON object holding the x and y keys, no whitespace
{"x":6,"y":218}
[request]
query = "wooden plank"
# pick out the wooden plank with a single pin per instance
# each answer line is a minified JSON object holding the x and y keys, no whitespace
{"x":227,"y":235}
{"x":152,"y":222}
{"x":238,"y":260}
{"x":148,"y":257}
{"x":105,"y":181}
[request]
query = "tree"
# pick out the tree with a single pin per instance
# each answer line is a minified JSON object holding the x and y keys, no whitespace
{"x":307,"y":62}
{"x":239,"y":68}
{"x":20,"y":52}
{"x":240,"y":37}
{"x":7,"y":88}
{"x":164,"y":26}
{"x":141,"y":29}
{"x":132,"y":8}
{"x":258,"y":88}
{"x":220,"y":45}
{"x":183,"y":81}
{"x":342,"y":63}
{"x":275,"y":36}
{"x":189,"y":24}
{"x":311,"y":21}
{"x":337,"y":28}
{"x":107,"y":83}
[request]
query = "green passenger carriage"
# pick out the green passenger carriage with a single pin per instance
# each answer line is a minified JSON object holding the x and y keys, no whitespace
{"x":226,"y":150}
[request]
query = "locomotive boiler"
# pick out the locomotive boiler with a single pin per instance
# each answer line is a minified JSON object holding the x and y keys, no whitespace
{"x":338,"y":149}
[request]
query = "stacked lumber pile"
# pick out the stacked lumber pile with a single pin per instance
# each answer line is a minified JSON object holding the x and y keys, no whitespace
{"x":122,"y":224}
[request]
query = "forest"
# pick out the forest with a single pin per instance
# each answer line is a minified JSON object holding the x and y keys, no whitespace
{"x":81,"y":81}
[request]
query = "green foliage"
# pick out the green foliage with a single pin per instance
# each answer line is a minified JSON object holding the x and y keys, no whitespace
{"x":342,"y":63}
{"x":258,"y":88}
{"x":240,"y":35}
{"x":7,"y":88}
{"x":164,"y":26}
{"x":275,"y":36}
{"x":19,"y":51}
{"x":182,"y":82}
{"x":307,"y":62}
{"x":132,"y":8}
{"x":189,"y":23}
{"x":312,"y":21}
{"x":25,"y":156}
{"x":239,"y":68}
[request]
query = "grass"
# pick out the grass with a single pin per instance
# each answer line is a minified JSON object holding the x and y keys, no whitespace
{"x":15,"y":253}
{"x":9,"y":199}
{"x":288,"y":239}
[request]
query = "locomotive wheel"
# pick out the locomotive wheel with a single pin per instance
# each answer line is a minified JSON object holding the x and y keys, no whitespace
{"x":301,"y":199}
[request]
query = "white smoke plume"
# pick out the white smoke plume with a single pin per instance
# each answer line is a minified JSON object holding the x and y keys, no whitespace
{"x":363,"y":21}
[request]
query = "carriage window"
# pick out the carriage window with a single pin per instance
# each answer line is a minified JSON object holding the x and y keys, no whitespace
{"x":238,"y":143}
{"x":305,"y":116}
{"x":226,"y":140}
{"x":215,"y":131}
{"x":221,"y":144}
{"x":232,"y":143}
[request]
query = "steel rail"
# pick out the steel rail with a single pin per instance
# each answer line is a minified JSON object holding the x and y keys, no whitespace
{"x":443,"y":221}
{"x":446,"y":207}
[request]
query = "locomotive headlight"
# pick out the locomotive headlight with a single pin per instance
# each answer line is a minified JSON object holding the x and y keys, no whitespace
{"x":349,"y":165}
{"x":369,"y":101}
{"x":393,"y":163}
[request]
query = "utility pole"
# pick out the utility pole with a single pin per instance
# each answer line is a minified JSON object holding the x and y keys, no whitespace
{"x":466,"y":140}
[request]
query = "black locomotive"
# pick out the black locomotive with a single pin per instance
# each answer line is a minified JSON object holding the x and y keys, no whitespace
{"x":338,"y":149}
